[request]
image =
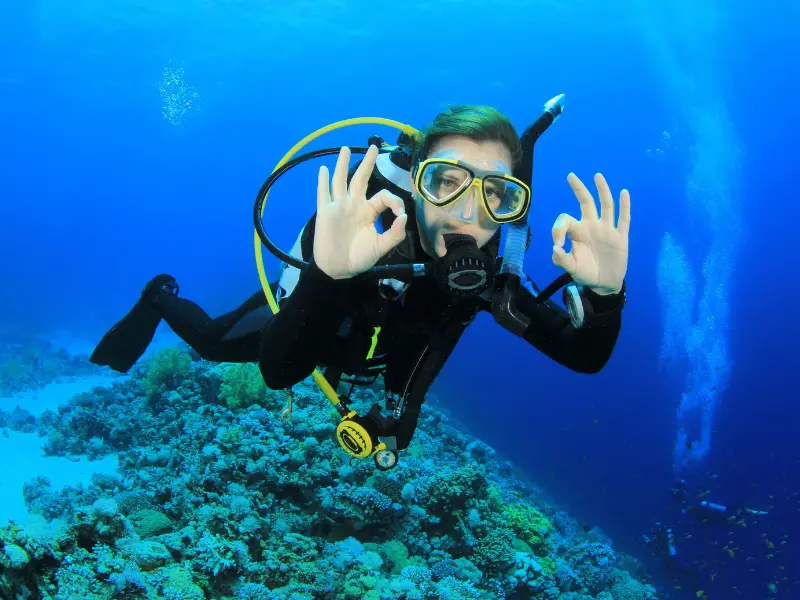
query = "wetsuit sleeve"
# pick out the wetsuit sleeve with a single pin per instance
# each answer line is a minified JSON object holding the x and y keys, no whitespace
{"x":294,"y":339}
{"x":302,"y":333}
{"x":584,"y":350}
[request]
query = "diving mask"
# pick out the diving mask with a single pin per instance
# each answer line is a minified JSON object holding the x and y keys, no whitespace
{"x":445,"y":181}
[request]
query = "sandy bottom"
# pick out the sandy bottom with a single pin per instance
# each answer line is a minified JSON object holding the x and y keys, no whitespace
{"x":53,"y":394}
{"x":21,"y":457}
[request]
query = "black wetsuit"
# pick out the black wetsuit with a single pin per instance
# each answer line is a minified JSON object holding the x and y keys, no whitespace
{"x":304,"y":333}
{"x":210,"y":337}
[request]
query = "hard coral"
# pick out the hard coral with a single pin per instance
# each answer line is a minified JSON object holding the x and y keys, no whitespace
{"x":529,"y":524}
{"x":450,"y":490}
{"x":493,"y":551}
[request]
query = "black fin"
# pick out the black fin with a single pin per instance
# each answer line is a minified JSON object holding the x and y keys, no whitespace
{"x":128,"y":339}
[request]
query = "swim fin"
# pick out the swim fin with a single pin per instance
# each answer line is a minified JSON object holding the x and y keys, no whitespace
{"x":128,"y":339}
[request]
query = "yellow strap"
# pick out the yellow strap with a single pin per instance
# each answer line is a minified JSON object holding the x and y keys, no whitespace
{"x":374,"y":343}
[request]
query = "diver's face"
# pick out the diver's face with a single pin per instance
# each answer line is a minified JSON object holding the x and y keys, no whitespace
{"x":467,"y":215}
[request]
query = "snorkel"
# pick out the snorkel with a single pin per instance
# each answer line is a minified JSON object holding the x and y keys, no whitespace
{"x":510,"y":278}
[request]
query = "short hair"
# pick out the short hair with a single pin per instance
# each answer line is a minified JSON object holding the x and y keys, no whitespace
{"x":480,"y":123}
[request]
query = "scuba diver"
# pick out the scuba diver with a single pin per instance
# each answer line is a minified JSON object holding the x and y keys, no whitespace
{"x":401,"y":255}
{"x":710,"y":512}
{"x":661,"y":537}
{"x":661,"y":541}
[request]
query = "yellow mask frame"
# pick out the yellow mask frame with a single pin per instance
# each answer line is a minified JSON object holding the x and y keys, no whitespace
{"x":477,"y":180}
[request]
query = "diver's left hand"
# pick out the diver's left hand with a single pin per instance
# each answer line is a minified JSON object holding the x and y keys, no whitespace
{"x":598,"y":258}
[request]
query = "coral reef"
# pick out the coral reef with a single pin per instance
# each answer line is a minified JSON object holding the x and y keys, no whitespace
{"x":218,"y":497}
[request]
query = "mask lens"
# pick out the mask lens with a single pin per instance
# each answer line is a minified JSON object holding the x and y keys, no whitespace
{"x":440,"y":182}
{"x":505,"y":199}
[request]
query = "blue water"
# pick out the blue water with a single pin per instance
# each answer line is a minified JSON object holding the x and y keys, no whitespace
{"x":690,"y":105}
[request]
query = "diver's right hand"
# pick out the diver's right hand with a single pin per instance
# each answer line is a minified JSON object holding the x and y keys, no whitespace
{"x":346,"y":242}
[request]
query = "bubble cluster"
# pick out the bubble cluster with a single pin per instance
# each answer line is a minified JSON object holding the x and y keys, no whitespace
{"x":664,"y":146}
{"x":177,"y":96}
{"x":696,"y":305}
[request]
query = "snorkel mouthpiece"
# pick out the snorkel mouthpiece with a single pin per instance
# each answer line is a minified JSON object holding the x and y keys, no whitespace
{"x":465,"y":270}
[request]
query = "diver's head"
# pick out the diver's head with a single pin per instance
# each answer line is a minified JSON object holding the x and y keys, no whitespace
{"x":461,"y":176}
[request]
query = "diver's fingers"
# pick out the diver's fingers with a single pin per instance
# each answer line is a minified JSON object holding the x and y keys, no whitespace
{"x":340,"y":175}
{"x":385,"y":199}
{"x":624,"y":225}
{"x":360,"y":180}
{"x":565,"y":224}
{"x":323,"y":188}
{"x":584,"y":196}
{"x":396,"y":234}
{"x":606,"y":199}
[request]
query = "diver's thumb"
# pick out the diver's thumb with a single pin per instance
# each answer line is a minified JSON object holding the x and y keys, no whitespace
{"x":396,"y":234}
